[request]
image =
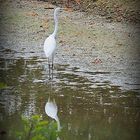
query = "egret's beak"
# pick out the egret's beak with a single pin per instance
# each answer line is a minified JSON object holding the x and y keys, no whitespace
{"x":68,"y":9}
{"x":63,"y":9}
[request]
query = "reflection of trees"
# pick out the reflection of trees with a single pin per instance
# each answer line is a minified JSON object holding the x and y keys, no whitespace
{"x":20,"y":95}
{"x":10,"y":103}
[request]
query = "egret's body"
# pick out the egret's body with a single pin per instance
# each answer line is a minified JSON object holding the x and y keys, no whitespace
{"x":50,"y":46}
{"x":50,"y":42}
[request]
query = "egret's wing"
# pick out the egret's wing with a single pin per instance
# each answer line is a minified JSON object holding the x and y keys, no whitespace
{"x":49,"y":46}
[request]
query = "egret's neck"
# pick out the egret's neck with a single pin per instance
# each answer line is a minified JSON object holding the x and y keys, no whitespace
{"x":58,"y":123}
{"x":56,"y":24}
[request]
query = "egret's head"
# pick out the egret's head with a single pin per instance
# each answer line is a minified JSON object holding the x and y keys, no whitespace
{"x":58,"y":9}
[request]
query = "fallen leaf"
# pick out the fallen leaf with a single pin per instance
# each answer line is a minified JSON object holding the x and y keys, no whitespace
{"x":78,"y":1}
{"x":61,"y":41}
{"x":68,"y":9}
{"x":97,"y":61}
{"x":45,"y":23}
{"x":32,"y":14}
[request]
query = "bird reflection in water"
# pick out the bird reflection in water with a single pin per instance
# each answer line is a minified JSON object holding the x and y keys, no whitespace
{"x":51,"y":110}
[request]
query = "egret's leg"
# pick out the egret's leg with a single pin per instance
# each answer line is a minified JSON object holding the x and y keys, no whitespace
{"x":52,"y":65}
{"x":52,"y":72}
{"x":52,"y":61}
{"x":49,"y":67}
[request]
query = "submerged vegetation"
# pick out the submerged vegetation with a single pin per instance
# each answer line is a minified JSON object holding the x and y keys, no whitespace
{"x":2,"y":85}
{"x":36,"y":128}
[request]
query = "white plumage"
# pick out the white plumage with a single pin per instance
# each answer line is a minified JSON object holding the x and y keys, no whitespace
{"x":52,"y":110}
{"x":50,"y":42}
{"x":50,"y":46}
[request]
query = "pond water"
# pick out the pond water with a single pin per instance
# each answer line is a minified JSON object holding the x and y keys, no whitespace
{"x":87,"y":110}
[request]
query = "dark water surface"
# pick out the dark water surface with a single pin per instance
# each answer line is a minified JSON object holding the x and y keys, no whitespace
{"x":87,"y":110}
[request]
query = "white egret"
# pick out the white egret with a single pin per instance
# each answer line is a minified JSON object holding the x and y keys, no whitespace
{"x":50,"y":42}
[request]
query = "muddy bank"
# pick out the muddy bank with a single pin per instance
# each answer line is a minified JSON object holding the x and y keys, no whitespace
{"x":103,"y":51}
{"x":111,"y":10}
{"x":114,"y":10}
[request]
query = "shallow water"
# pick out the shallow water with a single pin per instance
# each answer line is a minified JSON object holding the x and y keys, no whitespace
{"x":87,"y":110}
